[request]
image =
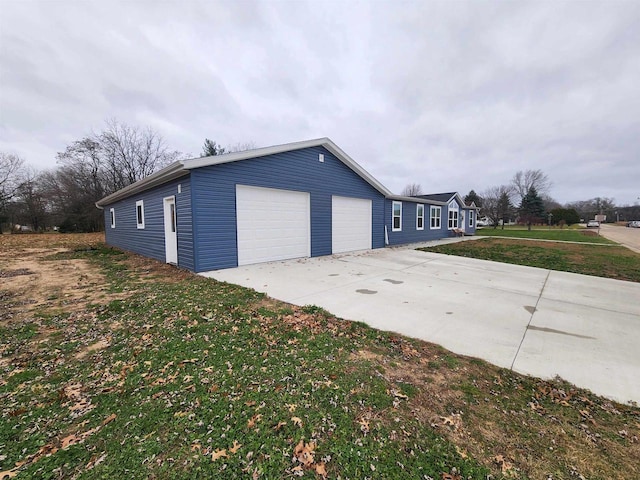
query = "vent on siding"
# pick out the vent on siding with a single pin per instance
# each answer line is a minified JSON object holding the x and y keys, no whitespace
{"x":321,"y":157}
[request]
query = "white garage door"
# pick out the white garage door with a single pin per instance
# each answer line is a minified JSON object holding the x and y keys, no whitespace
{"x":350,"y":224}
{"x":272,"y":224}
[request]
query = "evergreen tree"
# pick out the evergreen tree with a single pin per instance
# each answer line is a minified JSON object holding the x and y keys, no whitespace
{"x":211,"y":148}
{"x":472,"y":196}
{"x":567,"y":215}
{"x":504,"y":207}
{"x":531,"y":208}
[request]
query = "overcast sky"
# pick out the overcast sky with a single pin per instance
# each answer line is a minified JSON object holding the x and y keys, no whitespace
{"x":450,"y":95}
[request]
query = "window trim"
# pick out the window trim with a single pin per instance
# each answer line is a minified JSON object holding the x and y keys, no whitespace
{"x":419,"y":217}
{"x":435,"y":208}
{"x":453,"y":222}
{"x":112,"y":213}
{"x":393,"y":217}
{"x":140,"y":214}
{"x":471,"y":215}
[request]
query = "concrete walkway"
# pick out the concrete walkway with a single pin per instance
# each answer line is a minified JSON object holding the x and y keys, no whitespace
{"x":535,"y":321}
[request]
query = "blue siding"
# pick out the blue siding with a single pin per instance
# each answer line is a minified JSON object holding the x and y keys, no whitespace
{"x":409,"y":232}
{"x":150,"y":240}
{"x":470,"y":211}
{"x":214,"y":206}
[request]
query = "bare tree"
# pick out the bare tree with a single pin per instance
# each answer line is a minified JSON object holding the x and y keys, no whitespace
{"x":550,"y":203}
{"x":29,"y":202}
{"x":98,"y":165}
{"x":11,"y":167}
{"x":11,"y":170}
{"x":84,"y":160}
{"x":411,"y":190}
{"x":496,"y":204}
{"x":131,"y":153}
{"x":71,"y":193}
{"x":241,"y":147}
{"x":523,"y":181}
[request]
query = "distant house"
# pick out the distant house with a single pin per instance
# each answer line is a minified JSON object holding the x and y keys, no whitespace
{"x":303,"y":199}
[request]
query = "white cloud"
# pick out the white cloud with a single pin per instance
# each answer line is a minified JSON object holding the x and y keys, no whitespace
{"x":452,"y":95}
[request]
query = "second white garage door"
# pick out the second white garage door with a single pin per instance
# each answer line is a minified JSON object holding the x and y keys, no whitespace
{"x":350,"y":224}
{"x":272,"y":224}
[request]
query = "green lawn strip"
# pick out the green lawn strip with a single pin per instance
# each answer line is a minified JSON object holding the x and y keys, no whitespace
{"x":195,"y":369}
{"x":601,"y":261}
{"x":566,"y":235}
{"x":191,"y":368}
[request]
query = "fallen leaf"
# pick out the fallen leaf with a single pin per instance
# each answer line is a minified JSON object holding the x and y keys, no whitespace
{"x":8,"y":474}
{"x":219,"y":454}
{"x":70,"y":440}
{"x":297,"y":421}
{"x":95,"y":460}
{"x":461,"y":452}
{"x":448,"y":421}
{"x":364,"y":425}
{"x":109,"y":419}
{"x":304,"y":452}
{"x":448,"y":476}
{"x":279,"y":426}
{"x":399,"y":394}
{"x":505,"y":466}
{"x":321,"y":470}
{"x":253,"y":420}
{"x":236,"y":446}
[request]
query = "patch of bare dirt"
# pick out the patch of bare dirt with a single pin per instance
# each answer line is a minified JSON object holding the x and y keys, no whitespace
{"x":21,"y":242}
{"x":54,"y":284}
{"x":94,"y":347}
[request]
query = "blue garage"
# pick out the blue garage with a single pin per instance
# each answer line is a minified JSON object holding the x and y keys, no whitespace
{"x":302,"y":199}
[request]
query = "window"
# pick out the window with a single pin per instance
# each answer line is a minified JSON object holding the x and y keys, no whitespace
{"x":419,"y":217}
{"x":140,"y":213}
{"x":453,"y":215}
{"x":471,"y":218}
{"x":112,"y":214}
{"x":172,"y":212}
{"x":436,"y":215}
{"x":397,"y":217}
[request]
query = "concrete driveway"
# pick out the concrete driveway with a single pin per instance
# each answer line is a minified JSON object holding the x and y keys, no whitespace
{"x":539,"y":322}
{"x":626,"y":236}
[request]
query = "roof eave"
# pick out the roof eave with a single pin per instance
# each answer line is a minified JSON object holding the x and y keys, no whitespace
{"x":170,"y":172}
{"x":403,"y":198}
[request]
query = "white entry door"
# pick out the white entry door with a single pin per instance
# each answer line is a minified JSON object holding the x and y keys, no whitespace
{"x":350,"y":224}
{"x":272,"y":224}
{"x":170,"y":230}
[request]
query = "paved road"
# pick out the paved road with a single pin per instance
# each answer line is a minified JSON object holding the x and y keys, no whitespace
{"x":629,"y":237}
{"x":536,"y":321}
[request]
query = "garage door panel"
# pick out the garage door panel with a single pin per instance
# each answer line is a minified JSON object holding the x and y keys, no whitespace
{"x":350,"y":224}
{"x":272,"y":224}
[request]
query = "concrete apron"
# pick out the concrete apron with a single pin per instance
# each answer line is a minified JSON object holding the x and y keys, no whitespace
{"x":534,"y":321}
